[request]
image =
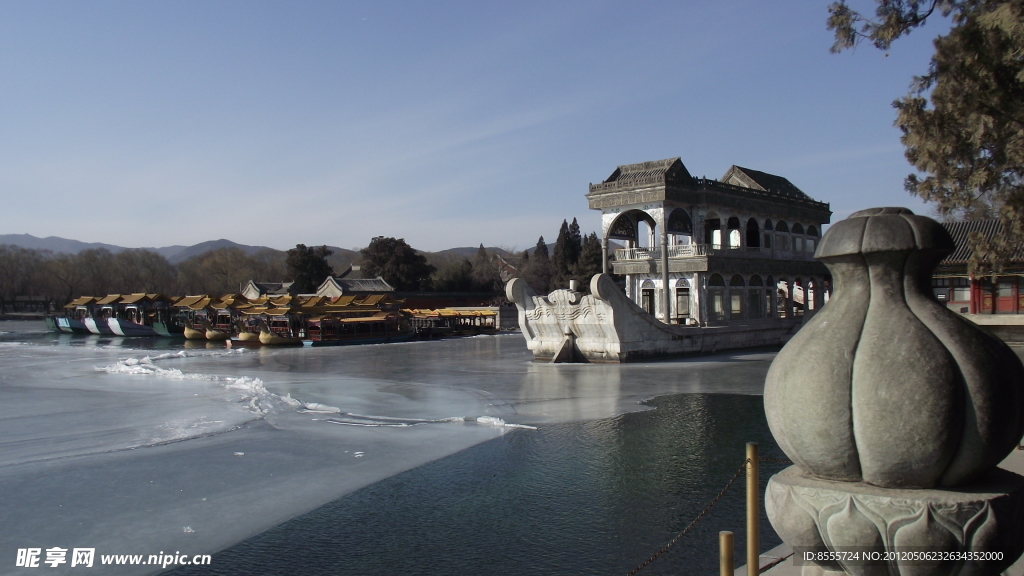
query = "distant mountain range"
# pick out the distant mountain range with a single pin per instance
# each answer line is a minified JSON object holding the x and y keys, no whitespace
{"x":178,"y":254}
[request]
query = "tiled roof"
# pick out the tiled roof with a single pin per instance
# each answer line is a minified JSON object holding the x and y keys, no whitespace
{"x":668,"y":169}
{"x":274,"y":288}
{"x":960,"y":231}
{"x":364,"y":285}
{"x":764,"y":181}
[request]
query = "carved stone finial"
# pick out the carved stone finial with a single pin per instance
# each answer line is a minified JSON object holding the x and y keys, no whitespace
{"x":885,"y":385}
{"x":896,"y":411}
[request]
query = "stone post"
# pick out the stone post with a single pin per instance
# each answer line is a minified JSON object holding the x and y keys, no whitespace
{"x":666,"y":305}
{"x":604,"y":255}
{"x":896,"y":413}
{"x":790,"y":290}
{"x":819,"y":293}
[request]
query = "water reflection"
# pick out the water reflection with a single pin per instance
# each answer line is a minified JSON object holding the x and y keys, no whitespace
{"x":595,"y":497}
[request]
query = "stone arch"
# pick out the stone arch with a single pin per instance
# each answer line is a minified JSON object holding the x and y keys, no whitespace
{"x":753,"y":234}
{"x":782,"y":226}
{"x":798,"y":228}
{"x":768,"y":224}
{"x":622,"y":228}
{"x":755,"y":280}
{"x":679,"y":222}
{"x":716,"y":280}
{"x":626,"y":226}
{"x":812,"y":231}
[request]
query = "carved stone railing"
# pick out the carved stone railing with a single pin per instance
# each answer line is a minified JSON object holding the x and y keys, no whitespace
{"x":703,"y":250}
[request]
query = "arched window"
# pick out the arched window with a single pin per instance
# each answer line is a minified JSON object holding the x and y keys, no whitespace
{"x":734,"y":232}
{"x":755,"y":298}
{"x":647,"y":296}
{"x":716,"y":295}
{"x":736,"y":285}
{"x":798,"y":242}
{"x":713,"y":230}
{"x":781,"y":236}
{"x":812,"y":233}
{"x":768,"y":224}
{"x":753,"y":234}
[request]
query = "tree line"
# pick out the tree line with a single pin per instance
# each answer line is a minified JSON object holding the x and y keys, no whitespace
{"x":574,"y":257}
{"x":58,"y":278}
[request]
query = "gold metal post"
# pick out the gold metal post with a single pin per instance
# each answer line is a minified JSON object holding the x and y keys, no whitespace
{"x":725,"y":567}
{"x":753,"y":512}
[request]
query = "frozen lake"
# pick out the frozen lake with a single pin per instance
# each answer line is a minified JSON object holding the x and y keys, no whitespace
{"x":135,"y":446}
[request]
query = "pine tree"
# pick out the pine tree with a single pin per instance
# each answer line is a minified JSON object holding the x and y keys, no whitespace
{"x":486,"y":275}
{"x":590,"y":262}
{"x":538,"y":270}
{"x":560,"y":259}
{"x":963,"y":121}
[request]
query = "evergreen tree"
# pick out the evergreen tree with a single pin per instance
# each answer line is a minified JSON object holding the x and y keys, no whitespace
{"x":560,"y":261}
{"x":574,"y":247}
{"x":456,"y":276}
{"x":538,"y":271}
{"x":963,"y":121}
{"x":486,"y":275}
{"x":308,"y":267}
{"x":397,"y":262}
{"x":590,"y":262}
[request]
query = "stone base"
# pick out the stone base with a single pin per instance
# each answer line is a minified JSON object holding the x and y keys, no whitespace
{"x":984,"y":517}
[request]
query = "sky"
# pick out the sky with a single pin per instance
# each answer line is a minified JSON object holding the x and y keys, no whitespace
{"x":444,"y":123}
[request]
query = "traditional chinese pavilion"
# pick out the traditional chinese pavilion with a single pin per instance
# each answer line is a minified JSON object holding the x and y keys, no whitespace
{"x":706,"y":252}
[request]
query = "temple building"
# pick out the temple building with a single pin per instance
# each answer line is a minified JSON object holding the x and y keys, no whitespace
{"x":711,"y":252}
{"x":953,"y":285}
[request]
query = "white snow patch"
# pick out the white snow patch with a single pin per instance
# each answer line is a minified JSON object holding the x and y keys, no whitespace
{"x":318,"y":408}
{"x":494,"y":421}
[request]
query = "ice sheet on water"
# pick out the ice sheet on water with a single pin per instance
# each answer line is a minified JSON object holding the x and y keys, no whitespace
{"x":260,"y":398}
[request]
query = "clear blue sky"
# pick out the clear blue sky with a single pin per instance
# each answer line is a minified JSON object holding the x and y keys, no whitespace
{"x":446,"y":123}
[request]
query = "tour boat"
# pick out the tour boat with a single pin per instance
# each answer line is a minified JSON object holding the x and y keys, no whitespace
{"x":278,"y":332}
{"x":245,"y":335}
{"x":380,"y":328}
{"x":213,"y":333}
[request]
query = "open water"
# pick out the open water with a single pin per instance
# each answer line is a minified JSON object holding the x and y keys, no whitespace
{"x":457,"y":456}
